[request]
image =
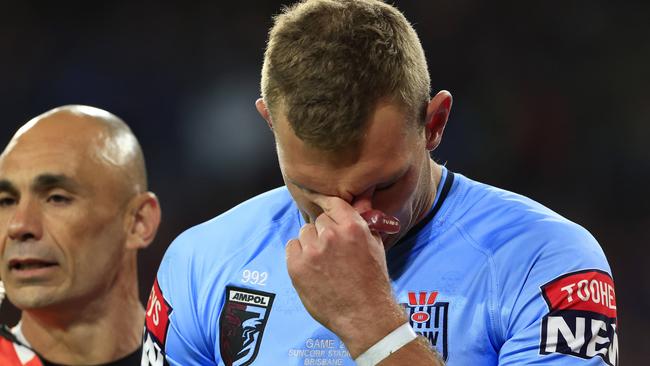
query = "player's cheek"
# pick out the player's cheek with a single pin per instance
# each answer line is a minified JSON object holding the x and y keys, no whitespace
{"x":392,"y":201}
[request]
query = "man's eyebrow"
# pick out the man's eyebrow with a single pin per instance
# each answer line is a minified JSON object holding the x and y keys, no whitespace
{"x":308,"y":190}
{"x":47,"y":181}
{"x":390,"y":180}
{"x":7,"y":186}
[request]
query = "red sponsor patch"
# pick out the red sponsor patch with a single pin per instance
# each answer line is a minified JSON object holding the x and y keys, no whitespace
{"x":582,"y":316}
{"x":157,"y":316}
{"x":420,"y":317}
{"x":589,"y":290}
{"x":422,"y":298}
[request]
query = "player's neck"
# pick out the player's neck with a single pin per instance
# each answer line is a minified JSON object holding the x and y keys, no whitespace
{"x":99,"y":332}
{"x":429,"y":194}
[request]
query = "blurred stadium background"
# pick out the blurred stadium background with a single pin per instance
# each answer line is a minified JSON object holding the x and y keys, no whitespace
{"x":551,"y":100}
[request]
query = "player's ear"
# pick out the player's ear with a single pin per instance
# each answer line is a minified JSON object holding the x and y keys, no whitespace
{"x":263,"y":111}
{"x":437,"y":114}
{"x":143,"y":219}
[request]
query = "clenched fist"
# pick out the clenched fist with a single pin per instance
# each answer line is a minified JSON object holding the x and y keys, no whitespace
{"x":338,"y":267}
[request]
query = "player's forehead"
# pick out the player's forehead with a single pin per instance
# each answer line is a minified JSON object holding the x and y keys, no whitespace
{"x":334,"y":172}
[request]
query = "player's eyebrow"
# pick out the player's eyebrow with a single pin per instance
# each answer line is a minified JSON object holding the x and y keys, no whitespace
{"x":8,"y":187}
{"x":47,"y":181}
{"x":388,"y":181}
{"x":308,"y":190}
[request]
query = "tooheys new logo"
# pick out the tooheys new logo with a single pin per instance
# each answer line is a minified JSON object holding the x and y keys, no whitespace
{"x":428,"y":318}
{"x":155,"y":330}
{"x":582,"y":316}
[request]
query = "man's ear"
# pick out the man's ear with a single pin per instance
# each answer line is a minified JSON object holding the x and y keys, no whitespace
{"x":438,"y":111}
{"x":142,"y":221}
{"x":264,"y":112}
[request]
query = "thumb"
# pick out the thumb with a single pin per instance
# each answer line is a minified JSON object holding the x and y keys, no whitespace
{"x":293,"y":250}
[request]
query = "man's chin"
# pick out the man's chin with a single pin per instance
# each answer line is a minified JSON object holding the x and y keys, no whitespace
{"x":31,"y":297}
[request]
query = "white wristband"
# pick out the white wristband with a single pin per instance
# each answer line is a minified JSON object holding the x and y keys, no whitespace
{"x":387,"y":345}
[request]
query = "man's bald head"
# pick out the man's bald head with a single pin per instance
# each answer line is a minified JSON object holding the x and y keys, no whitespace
{"x":93,"y":131}
{"x":75,"y":210}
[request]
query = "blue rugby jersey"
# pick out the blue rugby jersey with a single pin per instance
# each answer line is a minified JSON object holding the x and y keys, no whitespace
{"x":489,"y":277}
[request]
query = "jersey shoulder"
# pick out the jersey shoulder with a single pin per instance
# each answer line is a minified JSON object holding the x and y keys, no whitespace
{"x":503,"y":223}
{"x":206,"y":256}
{"x":238,"y":229}
{"x":548,"y":275}
{"x":184,"y":307}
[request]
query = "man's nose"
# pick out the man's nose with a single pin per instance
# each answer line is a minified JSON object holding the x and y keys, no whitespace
{"x":25,"y":223}
{"x":363,"y":202}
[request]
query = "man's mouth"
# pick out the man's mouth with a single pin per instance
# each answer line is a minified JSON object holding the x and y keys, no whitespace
{"x":29,"y":264}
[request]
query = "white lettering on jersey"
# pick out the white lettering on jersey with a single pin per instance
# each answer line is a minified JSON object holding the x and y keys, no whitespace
{"x":254,"y":277}
{"x":151,"y":353}
{"x":250,"y":299}
{"x":601,"y":340}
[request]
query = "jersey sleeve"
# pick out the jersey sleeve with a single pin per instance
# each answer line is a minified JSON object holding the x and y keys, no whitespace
{"x":557,"y":302}
{"x":188,"y":318}
{"x":178,"y":315}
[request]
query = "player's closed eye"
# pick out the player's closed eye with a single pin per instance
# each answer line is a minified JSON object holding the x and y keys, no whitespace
{"x":386,"y":186}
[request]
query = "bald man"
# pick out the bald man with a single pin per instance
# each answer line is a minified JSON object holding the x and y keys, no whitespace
{"x":74,"y":210}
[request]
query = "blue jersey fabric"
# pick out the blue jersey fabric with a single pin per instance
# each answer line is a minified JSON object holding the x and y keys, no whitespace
{"x":478,"y":278}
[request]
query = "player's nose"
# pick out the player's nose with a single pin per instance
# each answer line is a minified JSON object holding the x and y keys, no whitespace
{"x":363,"y":201}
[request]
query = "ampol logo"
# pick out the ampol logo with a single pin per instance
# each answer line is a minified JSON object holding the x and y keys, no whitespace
{"x":242,"y":323}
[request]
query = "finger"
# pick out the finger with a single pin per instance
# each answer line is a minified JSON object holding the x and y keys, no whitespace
{"x":293,"y":251}
{"x":308,"y":237}
{"x":334,"y":207}
{"x":322,"y":222}
{"x":379,"y":222}
{"x":293,"y":248}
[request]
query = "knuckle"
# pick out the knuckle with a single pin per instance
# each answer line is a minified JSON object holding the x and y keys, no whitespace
{"x":305,"y":229}
{"x":352,"y":227}
{"x":328,"y":235}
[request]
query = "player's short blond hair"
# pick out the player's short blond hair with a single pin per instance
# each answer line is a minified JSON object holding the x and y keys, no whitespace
{"x":329,"y":62}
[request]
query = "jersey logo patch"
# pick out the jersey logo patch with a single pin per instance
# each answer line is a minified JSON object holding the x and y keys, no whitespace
{"x":242,"y":323}
{"x":155,"y":329}
{"x":428,"y":318}
{"x":582,"y":316}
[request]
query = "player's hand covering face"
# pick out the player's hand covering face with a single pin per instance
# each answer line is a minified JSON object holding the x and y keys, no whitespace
{"x":343,"y":253}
